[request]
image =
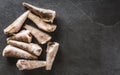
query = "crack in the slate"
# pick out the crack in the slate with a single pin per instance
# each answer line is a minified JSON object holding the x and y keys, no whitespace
{"x":92,"y":21}
{"x":82,"y":11}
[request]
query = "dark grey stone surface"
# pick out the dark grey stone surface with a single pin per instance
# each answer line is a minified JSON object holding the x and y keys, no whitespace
{"x":88,"y":32}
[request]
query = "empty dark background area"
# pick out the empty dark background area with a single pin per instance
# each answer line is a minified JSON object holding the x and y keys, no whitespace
{"x":88,"y":32}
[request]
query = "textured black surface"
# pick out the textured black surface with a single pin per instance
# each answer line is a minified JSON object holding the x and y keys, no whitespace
{"x":88,"y":32}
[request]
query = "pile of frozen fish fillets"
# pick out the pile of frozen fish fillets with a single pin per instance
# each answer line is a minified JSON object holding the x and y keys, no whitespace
{"x":20,"y":41}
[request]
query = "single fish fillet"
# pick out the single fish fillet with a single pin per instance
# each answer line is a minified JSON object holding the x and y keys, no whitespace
{"x":17,"y":24}
{"x":46,"y":15}
{"x":52,"y":48}
{"x":41,"y":24}
{"x":11,"y":51}
{"x":39,"y":35}
{"x":29,"y":64}
{"x":29,"y":47}
{"x":24,"y":36}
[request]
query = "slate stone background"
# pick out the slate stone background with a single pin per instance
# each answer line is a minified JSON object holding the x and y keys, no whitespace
{"x":88,"y":32}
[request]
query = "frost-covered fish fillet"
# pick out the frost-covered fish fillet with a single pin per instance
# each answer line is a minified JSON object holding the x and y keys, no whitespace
{"x":38,"y":34}
{"x":30,"y":64}
{"x":17,"y":24}
{"x":24,"y":36}
{"x":46,"y":15}
{"x":11,"y":51}
{"x":41,"y":24}
{"x":52,"y":48}
{"x":29,"y":47}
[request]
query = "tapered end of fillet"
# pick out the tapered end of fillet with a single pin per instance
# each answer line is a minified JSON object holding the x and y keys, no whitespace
{"x":11,"y":51}
{"x":29,"y":64}
{"x":4,"y":53}
{"x":24,"y":36}
{"x":17,"y":24}
{"x":46,"y":15}
{"x":25,"y":4}
{"x":52,"y":48}
{"x":10,"y":29}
